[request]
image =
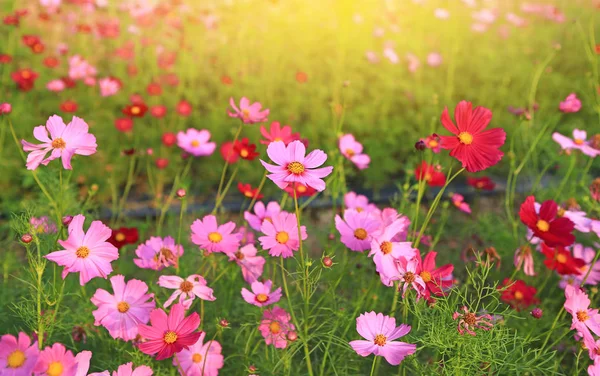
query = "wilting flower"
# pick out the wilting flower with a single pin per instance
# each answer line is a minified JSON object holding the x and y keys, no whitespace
{"x":64,"y":142}
{"x":245,"y":149}
{"x":248,"y":113}
{"x":386,"y":252}
{"x":18,"y":356}
{"x":408,"y":276}
{"x":380,"y":332}
{"x":359,"y":203}
{"x":546,"y":225}
{"x":475,"y":148}
{"x":275,"y":326}
{"x":121,"y":312}
{"x":261,"y":214}
{"x":158,"y":253}
{"x":88,"y":254}
{"x":483,"y":183}
{"x":261,"y":295}
{"x":278,"y":133}
{"x":579,"y":142}
{"x":561,"y":260}
{"x":356,"y":229}
{"x":281,"y":235}
{"x":517,"y":294}
{"x":437,"y":280}
{"x":252,"y":265}
{"x":200,"y":359}
{"x":469,"y":321}
{"x":294,"y":167}
{"x":353,"y":150}
{"x":459,"y":201}
{"x":212,"y":237}
{"x":169,"y":334}
{"x":249,"y":192}
{"x":186,"y":289}
{"x":196,"y":142}
{"x":430,"y":174}
{"x":585,"y":319}
{"x":524,"y":258}
{"x":570,"y":104}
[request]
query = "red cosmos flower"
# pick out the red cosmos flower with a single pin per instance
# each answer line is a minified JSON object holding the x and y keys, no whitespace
{"x":123,"y":236}
{"x":434,"y":279}
{"x":552,"y":229}
{"x":158,"y":111}
{"x":11,"y":20}
{"x":518,"y":295}
{"x":135,"y":110}
{"x":162,"y":163}
{"x":561,"y":260}
{"x":68,"y":106}
{"x":154,"y":89}
{"x":84,"y":28}
{"x":169,"y":79}
{"x":475,"y":148}
{"x":228,"y":152}
{"x":226,"y":80}
{"x":51,"y":62}
{"x":301,"y":77}
{"x":184,"y":108}
{"x":245,"y":150}
{"x":483,"y":183}
{"x":24,"y":78}
{"x":124,"y":124}
{"x":5,"y":59}
{"x":430,"y":174}
{"x":248,"y":191}
{"x":169,"y":139}
{"x":69,"y":82}
{"x":301,"y":190}
{"x":30,"y":40}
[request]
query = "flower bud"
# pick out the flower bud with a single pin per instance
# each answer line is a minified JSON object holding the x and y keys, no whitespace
{"x":223,"y":323}
{"x":327,"y":262}
{"x":536,"y":313}
{"x":420,"y":145}
{"x":181,"y":193}
{"x":66,"y":220}
{"x":26,"y":238}
{"x":292,"y":336}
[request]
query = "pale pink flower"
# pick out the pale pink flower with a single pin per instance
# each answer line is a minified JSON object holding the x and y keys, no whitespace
{"x":248,"y":113}
{"x":293,"y":166}
{"x":88,"y":254}
{"x":275,"y":326}
{"x":578,"y":217}
{"x":126,"y":370}
{"x":252,"y":265}
{"x":570,"y":104}
{"x":388,"y":216}
{"x":89,"y":81}
{"x":372,"y":57}
{"x":42,"y":225}
{"x":359,"y":203}
{"x":391,"y":55}
{"x":281,"y":235}
{"x":356,"y":229}
{"x":64,"y":142}
{"x":56,"y":85}
{"x":516,"y":20}
{"x":524,"y":258}
{"x":108,"y":86}
{"x":579,"y":142}
{"x":196,"y":142}
{"x":207,"y":234}
{"x":407,"y":275}
{"x":353,"y":150}
{"x":441,"y":14}
{"x":261,"y":295}
{"x":479,"y":27}
{"x":434,"y":59}
{"x":593,"y":347}
{"x":486,"y":16}
{"x":380,"y":332}
{"x":585,"y":319}
{"x":51,"y":5}
{"x":200,"y":359}
{"x":469,"y":321}
{"x":413,"y":62}
{"x":158,"y":253}
{"x":121,"y":312}
{"x":459,"y":201}
{"x":386,"y":252}
{"x":18,"y":356}
{"x":186,"y":289}
{"x":261,"y":214}
{"x":79,"y":68}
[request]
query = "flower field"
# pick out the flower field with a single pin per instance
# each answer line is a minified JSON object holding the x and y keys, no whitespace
{"x":286,"y":187}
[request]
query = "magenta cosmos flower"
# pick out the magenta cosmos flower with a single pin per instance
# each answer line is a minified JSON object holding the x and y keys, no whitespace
{"x":579,"y":142}
{"x":17,"y":356}
{"x":169,"y":334}
{"x":211,"y":237}
{"x":64,"y":142}
{"x":386,"y":252}
{"x":200,"y":359}
{"x":261,"y":295}
{"x":186,"y":289}
{"x":121,"y":312}
{"x":196,"y":142}
{"x":459,"y":201}
{"x":252,"y":265}
{"x":275,"y":326}
{"x":248,"y":113}
{"x":56,"y":361}
{"x":278,"y":133}
{"x":585,"y":319}
{"x":379,"y":332}
{"x":261,"y":214}
{"x":158,"y":253}
{"x":359,"y":203}
{"x":88,"y":254}
{"x":570,"y":104}
{"x":356,"y":229}
{"x":126,"y":370}
{"x":353,"y":151}
{"x":281,"y":235}
{"x":437,"y":280}
{"x":294,"y":167}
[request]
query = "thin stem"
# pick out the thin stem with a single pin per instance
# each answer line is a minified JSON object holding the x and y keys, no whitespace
{"x":222,"y":195}
{"x":224,"y":172}
{"x":374,"y":365}
{"x":128,"y":184}
{"x":260,"y":187}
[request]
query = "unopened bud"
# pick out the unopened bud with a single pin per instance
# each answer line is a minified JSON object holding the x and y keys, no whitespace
{"x":420,"y":145}
{"x":327,"y":262}
{"x":26,"y":238}
{"x":223,"y":323}
{"x":66,"y":220}
{"x":181,"y":193}
{"x":537,"y":313}
{"x":292,"y":336}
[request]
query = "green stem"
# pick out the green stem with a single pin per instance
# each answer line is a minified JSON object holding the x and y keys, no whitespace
{"x":128,"y":185}
{"x":224,"y":171}
{"x":220,"y":197}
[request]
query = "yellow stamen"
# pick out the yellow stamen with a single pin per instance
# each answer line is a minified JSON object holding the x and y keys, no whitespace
{"x":295,"y":168}
{"x":195,"y":143}
{"x":409,"y":277}
{"x":82,"y":252}
{"x":58,"y":143}
{"x":170,"y":337}
{"x":561,"y":258}
{"x":426,"y":276}
{"x":518,"y":295}
{"x":360,"y":234}
{"x":386,"y":247}
{"x":274,"y":327}
{"x":123,"y":307}
{"x":582,"y":316}
{"x":215,"y":237}
{"x":120,"y":237}
{"x":244,"y":153}
{"x":16,"y":359}
{"x":261,"y":298}
{"x":282,"y":237}
{"x":55,"y":369}
{"x":380,"y":340}
{"x":350,"y":153}
{"x":196,"y":358}
{"x":186,"y":286}
{"x":465,"y":138}
{"x":542,"y":225}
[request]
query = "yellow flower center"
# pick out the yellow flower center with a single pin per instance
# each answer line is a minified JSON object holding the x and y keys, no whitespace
{"x":170,"y":337}
{"x":579,"y":141}
{"x":195,"y":143}
{"x":186,"y":286}
{"x":350,"y":153}
{"x":301,"y":188}
{"x":196,"y":358}
{"x":120,"y":237}
{"x":246,"y":114}
{"x":561,"y":258}
{"x":480,"y":184}
{"x":16,"y":359}
{"x":380,"y":340}
{"x":426,"y":276}
{"x":427,"y":176}
{"x":582,"y":316}
{"x":25,"y":74}
{"x":282,"y":237}
{"x":248,"y":194}
{"x":359,"y":210}
{"x":386,"y":247}
{"x":123,"y":307}
{"x":465,"y":138}
{"x":135,"y":110}
{"x":295,"y":168}
{"x":409,"y":277}
{"x":55,"y":369}
{"x":244,"y":153}
{"x":58,"y":143}
{"x":215,"y":237}
{"x":274,"y":327}
{"x":261,"y":298}
{"x":360,"y":234}
{"x":433,"y":144}
{"x":82,"y":252}
{"x":542,"y":225}
{"x":518,"y":295}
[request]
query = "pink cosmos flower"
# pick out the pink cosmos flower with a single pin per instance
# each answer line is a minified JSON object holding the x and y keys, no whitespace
{"x":352,"y":149}
{"x":372,"y":57}
{"x":413,"y":62}
{"x":248,"y":113}
{"x":79,"y":68}
{"x":437,"y":280}
{"x":359,"y":203}
{"x":211,"y":237}
{"x":275,"y":326}
{"x":380,"y":332}
{"x":434,"y":59}
{"x":594,"y":369}
{"x":64,"y":142}
{"x":169,"y":334}
{"x":56,"y":360}
{"x":579,"y":142}
{"x":570,"y":104}
{"x":459,"y":201}
{"x":158,"y":253}
{"x":524,"y":258}
{"x":126,"y":370}
{"x":252,"y":265}
{"x":121,"y":312}
{"x":585,"y":319}
{"x":187,"y":289}
{"x":5,"y":108}
{"x":17,"y":356}
{"x":469,"y":321}
{"x":278,"y":133}
{"x":42,"y":225}
{"x":388,"y":216}
{"x":261,"y":214}
{"x":294,"y":167}
{"x":281,"y":235}
{"x":386,"y":252}
{"x":356,"y":229}
{"x":390,"y":54}
{"x":200,"y":359}
{"x":441,"y":14}
{"x":56,"y":85}
{"x":261,"y":295}
{"x":109,"y":86}
{"x":196,"y":142}
{"x":407,"y":272}
{"x":586,"y":254}
{"x":88,"y":254}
